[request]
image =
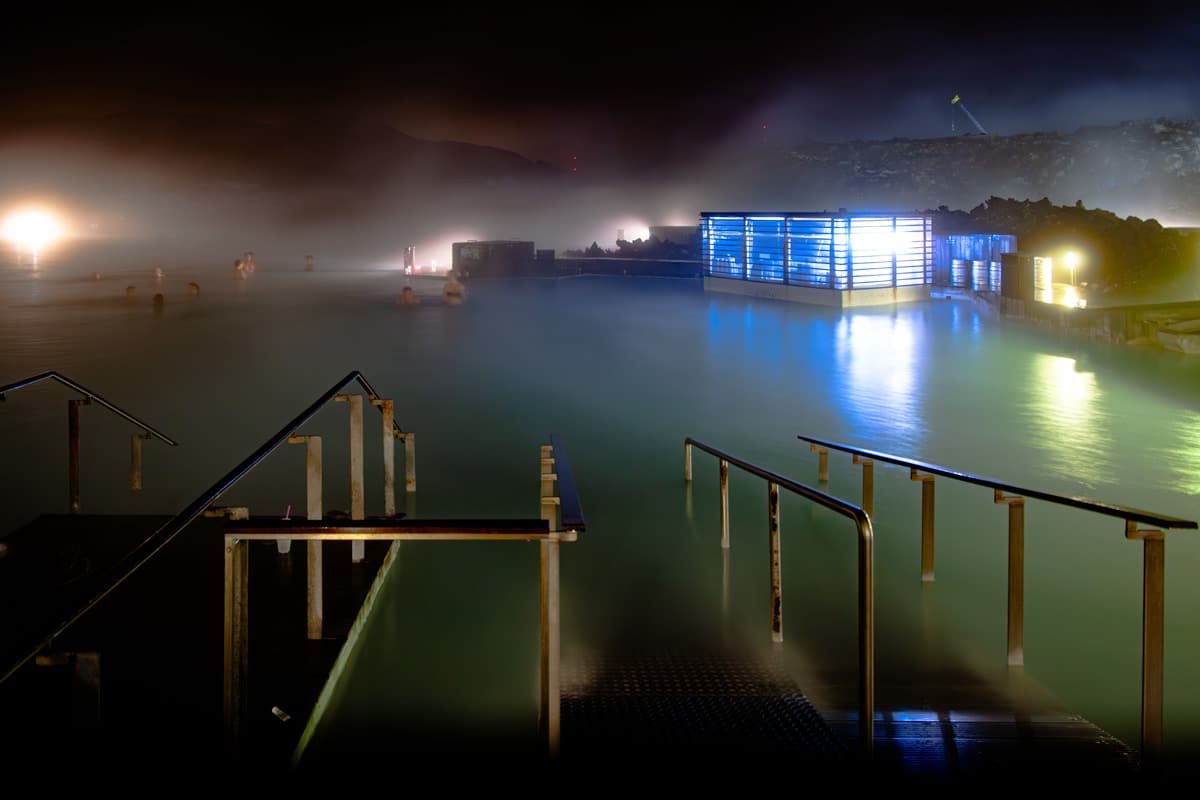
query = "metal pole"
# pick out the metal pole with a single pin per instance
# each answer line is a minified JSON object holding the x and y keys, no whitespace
{"x":725,"y":585}
{"x":866,"y":635}
{"x":776,"y":567}
{"x":687,"y":461}
{"x":822,"y":462}
{"x":357,"y":503}
{"x":549,"y":700}
{"x":237,"y":575}
{"x":135,"y":460}
{"x":410,"y":461}
{"x":1016,"y":578}
{"x":724,"y":504}
{"x":1153,"y":568}
{"x":386,"y":407}
{"x":926,"y":523}
{"x":315,"y":581}
{"x":73,"y":449}
{"x":868,"y":495}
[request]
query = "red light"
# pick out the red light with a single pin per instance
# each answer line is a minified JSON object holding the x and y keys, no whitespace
{"x":764,"y":126}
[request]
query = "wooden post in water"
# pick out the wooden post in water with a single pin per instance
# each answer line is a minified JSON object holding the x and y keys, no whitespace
{"x":237,"y":573}
{"x":549,"y":701}
{"x":687,"y":461}
{"x":926,"y":523}
{"x":135,"y":460}
{"x":316,"y":586}
{"x":724,"y":504}
{"x":410,"y":461}
{"x":73,"y":449}
{"x":386,"y":408}
{"x":868,"y":494}
{"x":776,"y":566}
{"x":822,"y":462}
{"x":1153,"y":569}
{"x":357,"y":501}
{"x":1016,"y":578}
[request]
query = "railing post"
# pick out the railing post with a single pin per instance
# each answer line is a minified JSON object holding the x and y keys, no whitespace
{"x":822,"y":462}
{"x":386,"y":408}
{"x":687,"y":461}
{"x":549,"y":716}
{"x":1153,"y":567}
{"x":1016,"y":578}
{"x":237,"y":575}
{"x":316,"y":586}
{"x":357,"y":503}
{"x":135,"y":459}
{"x":410,"y":460}
{"x":868,"y":495}
{"x":866,"y":635}
{"x":724,"y":503}
{"x":73,"y":449}
{"x":776,"y":567}
{"x":926,"y":523}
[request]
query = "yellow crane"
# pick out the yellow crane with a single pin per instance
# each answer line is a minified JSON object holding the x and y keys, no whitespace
{"x":956,"y":100}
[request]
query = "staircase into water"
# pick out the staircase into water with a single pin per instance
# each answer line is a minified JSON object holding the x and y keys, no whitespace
{"x":111,"y":629}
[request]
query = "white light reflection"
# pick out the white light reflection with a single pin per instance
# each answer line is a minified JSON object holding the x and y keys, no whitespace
{"x":878,"y":363}
{"x":1184,"y":458}
{"x":1068,"y":421}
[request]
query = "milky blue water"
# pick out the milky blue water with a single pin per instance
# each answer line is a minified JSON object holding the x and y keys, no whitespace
{"x":624,"y":369}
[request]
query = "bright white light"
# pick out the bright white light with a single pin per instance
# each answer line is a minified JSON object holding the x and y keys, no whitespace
{"x":1071,"y":259}
{"x":634,"y":229}
{"x":1072,"y":299}
{"x":1045,"y":270}
{"x":872,"y":239}
{"x":31,"y":230}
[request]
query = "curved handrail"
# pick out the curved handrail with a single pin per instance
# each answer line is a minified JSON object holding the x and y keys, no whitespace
{"x":866,"y":570}
{"x":161,"y":537}
{"x":1108,"y":509}
{"x":65,"y":381}
{"x":570,"y":510}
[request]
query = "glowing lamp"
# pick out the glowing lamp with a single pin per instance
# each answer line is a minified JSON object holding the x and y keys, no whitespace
{"x":31,"y":230}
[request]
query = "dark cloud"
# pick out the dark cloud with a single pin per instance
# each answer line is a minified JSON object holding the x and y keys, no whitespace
{"x":616,"y":88}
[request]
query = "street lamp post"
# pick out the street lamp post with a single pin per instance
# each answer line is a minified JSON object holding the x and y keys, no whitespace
{"x":1072,"y":261}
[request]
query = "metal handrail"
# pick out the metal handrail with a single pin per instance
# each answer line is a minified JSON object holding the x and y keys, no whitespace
{"x":1086,"y":504}
{"x":65,"y":381}
{"x":569,"y":508}
{"x":866,"y":564}
{"x":161,"y":537}
{"x":1153,"y":560}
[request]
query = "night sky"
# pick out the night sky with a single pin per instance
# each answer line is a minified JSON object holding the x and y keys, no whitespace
{"x":618,"y":89}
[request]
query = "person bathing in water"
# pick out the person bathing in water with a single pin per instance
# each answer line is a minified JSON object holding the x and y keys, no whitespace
{"x":454,"y":293}
{"x":407,"y":297}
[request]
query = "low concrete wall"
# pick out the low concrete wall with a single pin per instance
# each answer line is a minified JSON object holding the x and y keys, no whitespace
{"x":1111,"y":324}
{"x":849,"y":298}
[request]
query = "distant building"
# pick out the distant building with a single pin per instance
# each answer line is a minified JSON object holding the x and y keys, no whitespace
{"x":493,"y":258}
{"x":971,"y":260}
{"x":836,"y":259}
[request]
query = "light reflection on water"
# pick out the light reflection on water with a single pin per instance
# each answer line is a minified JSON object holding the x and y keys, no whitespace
{"x":1067,"y":419}
{"x":877,"y":375}
{"x":625,"y":369}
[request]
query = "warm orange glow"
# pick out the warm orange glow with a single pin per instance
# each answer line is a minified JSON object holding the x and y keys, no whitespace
{"x":32,"y":229}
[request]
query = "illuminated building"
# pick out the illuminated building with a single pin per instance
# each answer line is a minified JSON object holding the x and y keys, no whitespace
{"x":835,"y":259}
